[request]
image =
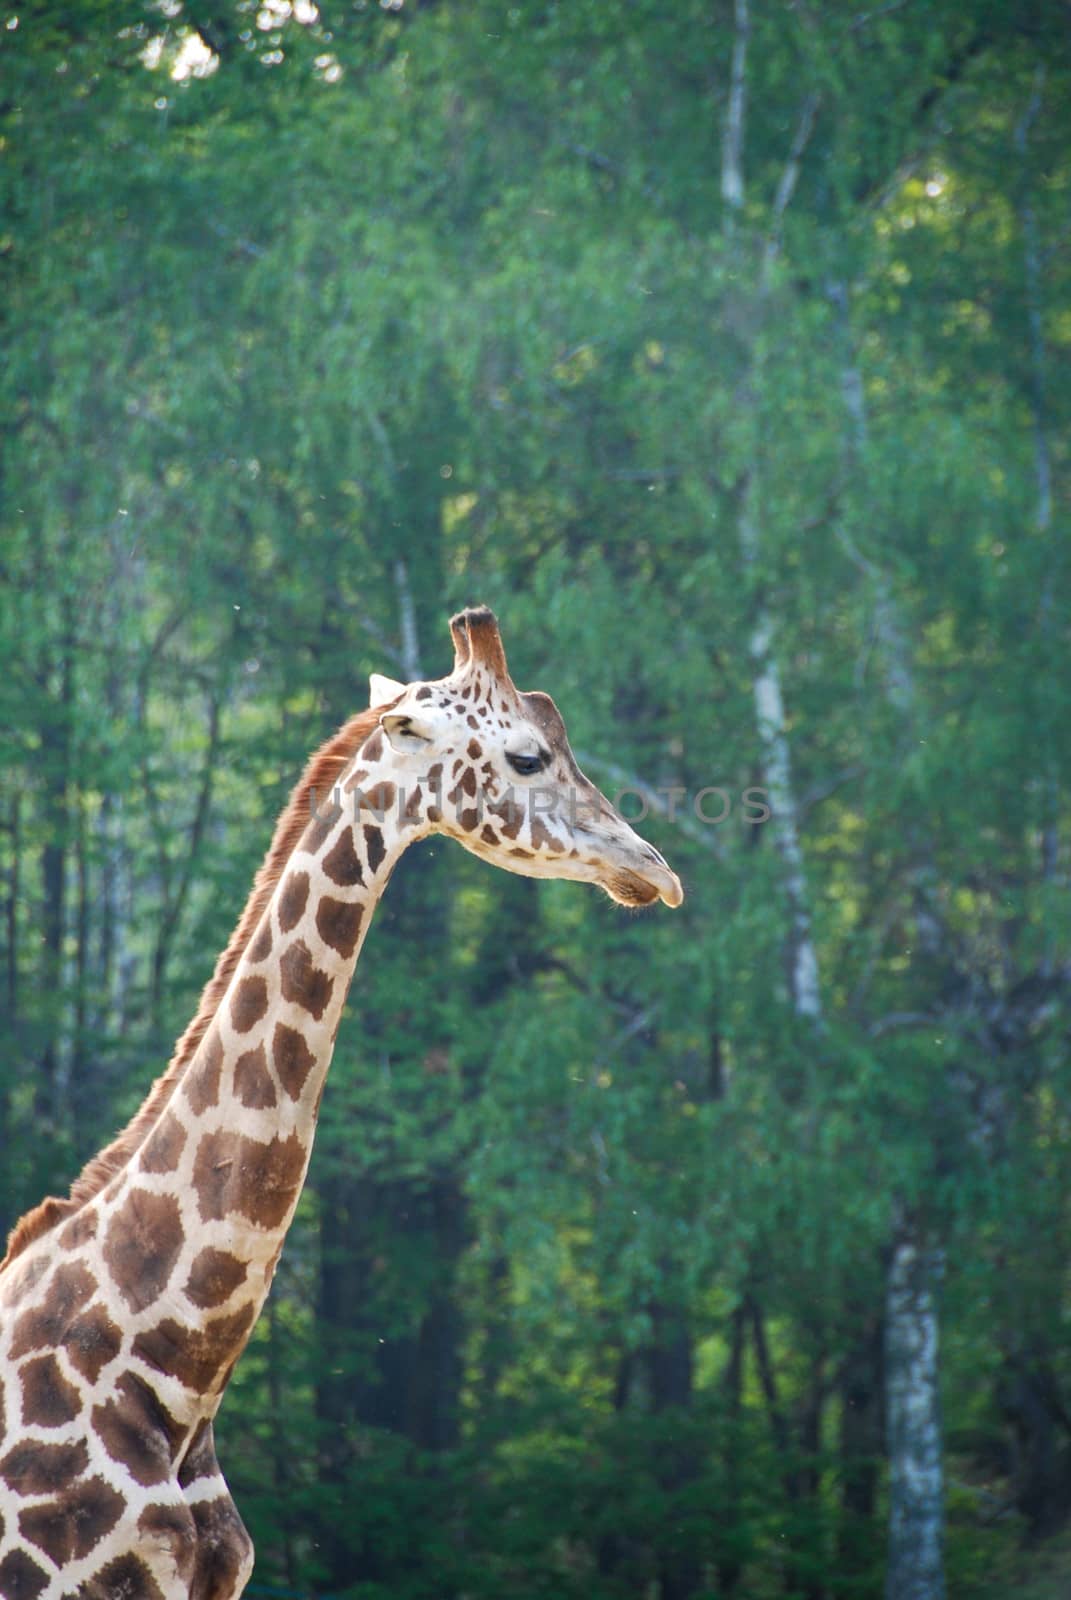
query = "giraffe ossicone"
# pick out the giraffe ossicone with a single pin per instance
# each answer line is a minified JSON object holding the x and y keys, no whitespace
{"x":124,"y":1307}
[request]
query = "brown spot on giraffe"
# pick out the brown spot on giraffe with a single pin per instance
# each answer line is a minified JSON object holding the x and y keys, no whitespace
{"x":411,"y":815}
{"x":201,"y":1082}
{"x":293,"y":1059}
{"x":252,"y":1081}
{"x":257,"y":1178}
{"x":48,"y":1399}
{"x":200,"y":1458}
{"x":142,"y":1245}
{"x":125,"y":1578}
{"x":198,"y":1357}
{"x":378,"y":799}
{"x":372,"y":748}
{"x":303,"y":983}
{"x":474,"y":750}
{"x":214,"y":1276}
{"x":79,"y":1231}
{"x":92,"y":1341}
{"x":164,"y":1146}
{"x":342,"y":864}
{"x":374,"y":847}
{"x":424,"y":693}
{"x":32,"y":1468}
{"x":524,"y":855}
{"x":355,"y":779}
{"x":170,"y":1529}
{"x":135,"y":1427}
{"x":318,"y":829}
{"x":248,"y":1004}
{"x":338,"y":922}
{"x":542,"y":837}
{"x":469,"y":819}
{"x":260,"y":946}
{"x":224,"y":1547}
{"x":20,"y":1577}
{"x":47,"y":1324}
{"x":488,"y":834}
{"x":293,"y":900}
{"x":68,"y":1529}
{"x":510,"y":815}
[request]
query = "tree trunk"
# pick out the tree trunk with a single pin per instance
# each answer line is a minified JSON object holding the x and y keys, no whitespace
{"x":916,"y":1493}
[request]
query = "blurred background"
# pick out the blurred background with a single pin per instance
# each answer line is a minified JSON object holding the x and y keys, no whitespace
{"x":722,"y":348}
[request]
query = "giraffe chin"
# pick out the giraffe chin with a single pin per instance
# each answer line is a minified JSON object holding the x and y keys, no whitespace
{"x":628,"y":889}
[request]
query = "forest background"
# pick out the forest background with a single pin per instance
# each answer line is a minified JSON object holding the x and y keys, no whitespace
{"x":722,"y":348}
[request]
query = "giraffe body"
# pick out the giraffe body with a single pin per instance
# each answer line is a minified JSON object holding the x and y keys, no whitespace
{"x":124,"y":1309}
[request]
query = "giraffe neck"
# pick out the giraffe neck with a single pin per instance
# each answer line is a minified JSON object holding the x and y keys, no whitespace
{"x":190,"y":1232}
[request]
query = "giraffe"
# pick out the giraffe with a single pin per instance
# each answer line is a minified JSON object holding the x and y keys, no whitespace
{"x":125,"y":1306}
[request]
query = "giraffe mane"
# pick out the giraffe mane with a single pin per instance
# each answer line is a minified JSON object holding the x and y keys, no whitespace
{"x":322,"y":771}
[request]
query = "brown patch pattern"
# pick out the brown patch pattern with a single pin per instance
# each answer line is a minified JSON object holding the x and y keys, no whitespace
{"x":125,"y":1578}
{"x":142,"y":1245}
{"x":318,"y":830}
{"x":304,"y":984}
{"x":257,"y":1178}
{"x":92,"y":1341}
{"x":338,"y":922}
{"x":260,"y":948}
{"x":197,"y":1357}
{"x":201,"y":1084}
{"x":68,"y":1529}
{"x":81,"y":1228}
{"x":252,"y":1080}
{"x":293,"y":1059}
{"x":214,"y":1276}
{"x":47,"y":1324}
{"x":224,"y":1547}
{"x":48,"y":1399}
{"x":378,"y":799}
{"x":34,"y":1468}
{"x":135,"y":1427}
{"x":200,"y":1458}
{"x":542,"y":837}
{"x":164,"y":1145}
{"x":373,"y":844}
{"x":248,"y":1004}
{"x":341,"y":864}
{"x":293,"y":900}
{"x":171,"y":1528}
{"x":20,"y":1577}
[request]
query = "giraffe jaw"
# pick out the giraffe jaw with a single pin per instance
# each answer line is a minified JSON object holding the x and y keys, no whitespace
{"x":632,"y":889}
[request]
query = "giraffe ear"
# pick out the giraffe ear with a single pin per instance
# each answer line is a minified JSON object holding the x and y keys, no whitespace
{"x":409,"y":731}
{"x":383,"y":690}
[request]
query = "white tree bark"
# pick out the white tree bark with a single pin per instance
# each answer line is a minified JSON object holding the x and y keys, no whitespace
{"x":915,"y":1568}
{"x":802,"y":958}
{"x":916,"y":1492}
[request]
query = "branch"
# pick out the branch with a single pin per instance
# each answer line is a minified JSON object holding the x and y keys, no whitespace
{"x":732,"y":150}
{"x":786,"y":186}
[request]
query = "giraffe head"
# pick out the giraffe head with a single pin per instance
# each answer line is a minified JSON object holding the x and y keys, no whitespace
{"x":491,"y":767}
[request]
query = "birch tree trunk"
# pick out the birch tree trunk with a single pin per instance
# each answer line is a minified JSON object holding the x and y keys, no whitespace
{"x":916,"y":1492}
{"x":912,"y":1413}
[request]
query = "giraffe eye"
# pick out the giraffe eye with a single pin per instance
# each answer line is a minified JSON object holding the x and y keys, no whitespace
{"x":526,"y":766}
